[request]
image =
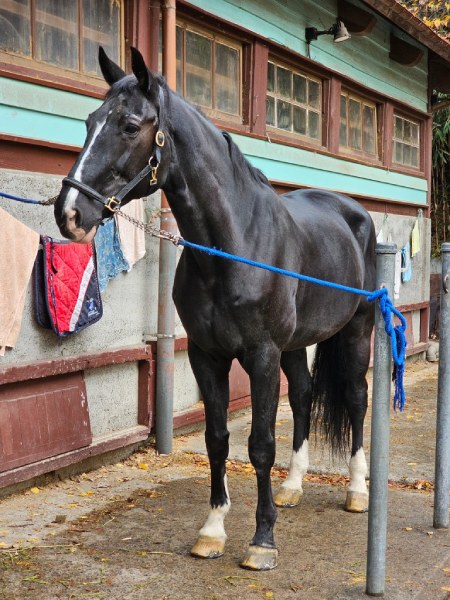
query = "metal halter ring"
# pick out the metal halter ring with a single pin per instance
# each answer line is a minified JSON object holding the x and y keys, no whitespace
{"x":110,"y":204}
{"x":153,"y":175}
{"x":160,"y":138}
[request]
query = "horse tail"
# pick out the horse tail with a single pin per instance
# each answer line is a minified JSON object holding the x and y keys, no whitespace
{"x":329,"y":411}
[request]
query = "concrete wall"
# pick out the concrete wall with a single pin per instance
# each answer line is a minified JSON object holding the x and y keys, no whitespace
{"x":130,"y":304}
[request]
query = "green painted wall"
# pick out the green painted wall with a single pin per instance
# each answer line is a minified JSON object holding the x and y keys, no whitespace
{"x":43,"y":113}
{"x":364,"y":59}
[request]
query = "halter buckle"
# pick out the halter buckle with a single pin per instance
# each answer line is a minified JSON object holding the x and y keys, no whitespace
{"x":112,"y":204}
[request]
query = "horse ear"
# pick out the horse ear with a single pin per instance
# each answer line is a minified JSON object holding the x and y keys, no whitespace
{"x":111,"y":71}
{"x":145,"y":78}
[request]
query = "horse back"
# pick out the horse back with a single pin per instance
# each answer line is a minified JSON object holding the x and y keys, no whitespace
{"x":320,"y":210}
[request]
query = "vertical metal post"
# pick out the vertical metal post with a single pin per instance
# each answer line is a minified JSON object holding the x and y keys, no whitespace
{"x":442,"y":464}
{"x":379,"y":445}
{"x":165,"y":348}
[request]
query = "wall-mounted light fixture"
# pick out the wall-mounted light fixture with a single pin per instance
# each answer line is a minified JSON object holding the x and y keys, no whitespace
{"x":338,"y":31}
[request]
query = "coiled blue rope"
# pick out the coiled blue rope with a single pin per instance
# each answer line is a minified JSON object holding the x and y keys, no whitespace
{"x":396,"y":334}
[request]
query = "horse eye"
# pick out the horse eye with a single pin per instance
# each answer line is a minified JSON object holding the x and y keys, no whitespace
{"x":131,"y":128}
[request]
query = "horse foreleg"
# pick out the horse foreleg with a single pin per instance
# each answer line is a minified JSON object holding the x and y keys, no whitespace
{"x":263,"y":367}
{"x":295,"y":367}
{"x":212,"y":378}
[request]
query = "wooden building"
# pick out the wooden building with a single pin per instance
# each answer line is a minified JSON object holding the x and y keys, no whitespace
{"x":307,"y":107}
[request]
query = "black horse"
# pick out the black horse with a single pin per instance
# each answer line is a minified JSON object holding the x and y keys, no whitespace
{"x":144,"y":130}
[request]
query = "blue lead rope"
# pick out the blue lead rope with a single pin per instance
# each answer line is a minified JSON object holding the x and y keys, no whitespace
{"x":396,"y":334}
{"x":18,"y":199}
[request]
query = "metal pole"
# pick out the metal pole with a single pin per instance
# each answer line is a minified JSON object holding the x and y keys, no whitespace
{"x":379,"y":444}
{"x":165,"y":348}
{"x":442,"y":465}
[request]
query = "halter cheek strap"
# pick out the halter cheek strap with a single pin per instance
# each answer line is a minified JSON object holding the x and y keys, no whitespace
{"x":113,"y":202}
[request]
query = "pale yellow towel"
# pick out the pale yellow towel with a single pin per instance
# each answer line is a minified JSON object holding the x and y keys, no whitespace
{"x":18,"y":248}
{"x":132,"y":239}
{"x":415,"y":239}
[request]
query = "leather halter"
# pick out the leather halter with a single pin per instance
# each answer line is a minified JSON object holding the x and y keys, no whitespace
{"x":113,"y":202}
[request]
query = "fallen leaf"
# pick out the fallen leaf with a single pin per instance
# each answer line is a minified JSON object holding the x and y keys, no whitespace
{"x":35,"y":490}
{"x":143,"y":466}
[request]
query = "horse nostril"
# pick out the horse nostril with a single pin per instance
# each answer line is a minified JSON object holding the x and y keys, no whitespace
{"x":73,"y":218}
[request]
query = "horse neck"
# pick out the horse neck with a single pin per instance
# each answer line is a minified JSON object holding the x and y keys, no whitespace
{"x":202,"y":189}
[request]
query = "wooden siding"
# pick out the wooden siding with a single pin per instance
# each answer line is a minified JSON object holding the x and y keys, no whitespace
{"x":363,"y":59}
{"x":34,"y":111}
{"x":28,"y":110}
{"x":303,"y":168}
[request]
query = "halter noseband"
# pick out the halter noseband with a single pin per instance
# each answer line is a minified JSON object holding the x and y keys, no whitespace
{"x":113,"y":202}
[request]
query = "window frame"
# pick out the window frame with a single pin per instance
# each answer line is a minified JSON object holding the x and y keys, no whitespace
{"x":376,"y":157}
{"x":27,"y":68}
{"x":283,"y":135}
{"x":224,"y":38}
{"x":420,"y":125}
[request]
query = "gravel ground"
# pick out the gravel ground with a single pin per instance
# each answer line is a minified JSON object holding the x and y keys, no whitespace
{"x":125,"y":531}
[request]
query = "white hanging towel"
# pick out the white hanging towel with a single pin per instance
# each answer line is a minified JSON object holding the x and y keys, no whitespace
{"x":397,"y":275}
{"x":132,"y":239}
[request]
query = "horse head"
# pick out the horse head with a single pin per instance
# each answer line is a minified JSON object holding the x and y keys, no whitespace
{"x":125,"y":155}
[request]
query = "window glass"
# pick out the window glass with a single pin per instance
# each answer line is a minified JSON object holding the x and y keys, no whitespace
{"x":62,"y":33}
{"x":56,"y":33}
{"x":406,"y":142}
{"x":226,"y":74}
{"x":15,"y":27}
{"x":358,"y":125}
{"x":101,"y":27}
{"x":198,"y":68}
{"x":293,"y":102}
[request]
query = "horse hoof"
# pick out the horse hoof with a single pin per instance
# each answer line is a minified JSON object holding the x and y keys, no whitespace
{"x":287,"y":498}
{"x":208,"y":547}
{"x":259,"y":558}
{"x":357,"y":502}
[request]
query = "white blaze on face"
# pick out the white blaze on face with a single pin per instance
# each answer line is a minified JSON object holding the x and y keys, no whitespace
{"x":297,"y":468}
{"x":358,"y":471}
{"x":214,"y":526}
{"x":73,"y":193}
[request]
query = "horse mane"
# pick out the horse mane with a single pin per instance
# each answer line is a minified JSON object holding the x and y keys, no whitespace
{"x":242,"y":166}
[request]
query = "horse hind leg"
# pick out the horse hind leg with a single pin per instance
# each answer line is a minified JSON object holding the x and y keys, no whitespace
{"x":212,"y":378}
{"x":357,"y":363}
{"x":295,"y":367}
{"x":339,"y":383}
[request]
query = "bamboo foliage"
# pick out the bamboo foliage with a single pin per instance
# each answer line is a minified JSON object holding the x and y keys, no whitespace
{"x":440,"y":181}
